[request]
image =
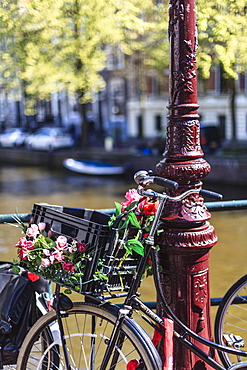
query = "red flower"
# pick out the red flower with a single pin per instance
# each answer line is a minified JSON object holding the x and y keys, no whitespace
{"x":33,"y":277}
{"x":68,"y":266}
{"x":132,"y":365}
{"x":81,"y":247}
{"x":150,"y":208}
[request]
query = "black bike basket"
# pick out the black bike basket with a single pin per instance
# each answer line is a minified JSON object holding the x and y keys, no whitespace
{"x":90,"y":227}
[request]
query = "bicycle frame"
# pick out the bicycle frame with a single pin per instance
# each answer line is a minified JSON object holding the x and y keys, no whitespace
{"x":133,"y":302}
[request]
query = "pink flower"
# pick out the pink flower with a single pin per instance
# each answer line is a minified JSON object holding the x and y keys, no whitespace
{"x":46,"y":252}
{"x":41,"y":226}
{"x":32,"y":231}
{"x":81,"y":247}
{"x":141,"y":205}
{"x":29,"y":244}
{"x":68,"y":266}
{"x":61,"y":242}
{"x":45,"y":262}
{"x":52,"y":258}
{"x":21,"y":242}
{"x":131,"y":196}
{"x":23,"y":253}
{"x":58,"y":255}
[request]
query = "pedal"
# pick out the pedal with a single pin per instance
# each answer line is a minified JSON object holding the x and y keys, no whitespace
{"x":232,"y":340}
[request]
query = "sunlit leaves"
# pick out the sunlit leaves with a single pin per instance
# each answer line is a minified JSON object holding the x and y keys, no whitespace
{"x":222,"y":36}
{"x":48,"y":45}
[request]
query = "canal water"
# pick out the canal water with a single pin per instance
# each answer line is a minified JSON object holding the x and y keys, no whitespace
{"x":20,"y":187}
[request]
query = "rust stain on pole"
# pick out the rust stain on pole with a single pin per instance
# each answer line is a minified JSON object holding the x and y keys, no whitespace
{"x":188,"y":235}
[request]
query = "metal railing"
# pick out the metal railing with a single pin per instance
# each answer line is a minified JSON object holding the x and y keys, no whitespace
{"x":230,"y":205}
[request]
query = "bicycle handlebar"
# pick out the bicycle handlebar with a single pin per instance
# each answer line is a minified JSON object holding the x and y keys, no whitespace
{"x":144,"y":178}
{"x":211,"y":194}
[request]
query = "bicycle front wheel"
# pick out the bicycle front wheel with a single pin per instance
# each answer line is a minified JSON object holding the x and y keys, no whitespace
{"x":231,"y":321}
{"x":87,"y":329}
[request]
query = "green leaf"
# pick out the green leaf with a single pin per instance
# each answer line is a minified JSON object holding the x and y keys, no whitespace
{"x":124,"y":224}
{"x":131,"y":206}
{"x":112,"y":221}
{"x":16,"y":269}
{"x":133,"y":220}
{"x":128,"y":248}
{"x":118,"y":208}
{"x":38,"y":261}
{"x":134,"y":245}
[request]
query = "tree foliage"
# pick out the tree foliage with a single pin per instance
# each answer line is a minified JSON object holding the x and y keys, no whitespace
{"x":223,"y":42}
{"x":51,"y":45}
{"x":48,"y":46}
{"x":222,"y":36}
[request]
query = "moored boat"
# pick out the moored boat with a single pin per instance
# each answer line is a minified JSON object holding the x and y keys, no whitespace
{"x":91,"y":167}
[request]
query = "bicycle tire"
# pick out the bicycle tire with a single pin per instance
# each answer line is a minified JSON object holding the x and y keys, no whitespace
{"x":231,"y":319}
{"x":53,"y":355}
{"x":87,"y":329}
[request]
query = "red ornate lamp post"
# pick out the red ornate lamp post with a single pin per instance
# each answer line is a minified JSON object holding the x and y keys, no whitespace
{"x":187,"y":236}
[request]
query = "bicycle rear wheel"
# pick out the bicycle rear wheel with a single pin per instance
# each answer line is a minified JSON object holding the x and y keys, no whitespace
{"x":231,"y":321}
{"x":87,"y":330}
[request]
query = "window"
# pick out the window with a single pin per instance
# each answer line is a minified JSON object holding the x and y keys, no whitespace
{"x":140,"y":127}
{"x":158,"y":122}
{"x":222,"y":126}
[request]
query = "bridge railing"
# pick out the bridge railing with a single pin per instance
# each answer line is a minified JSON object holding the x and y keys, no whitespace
{"x":230,"y":205}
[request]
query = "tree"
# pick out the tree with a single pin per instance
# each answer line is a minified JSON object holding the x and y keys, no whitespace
{"x":59,"y":45}
{"x":149,"y":52}
{"x":222,"y":38}
{"x":223,"y":41}
{"x":49,"y":46}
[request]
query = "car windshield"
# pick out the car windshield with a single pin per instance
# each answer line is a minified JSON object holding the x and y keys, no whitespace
{"x":10,"y":130}
{"x":47,"y":132}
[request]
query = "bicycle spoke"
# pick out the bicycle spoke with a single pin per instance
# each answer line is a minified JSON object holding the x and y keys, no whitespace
{"x":87,"y":331}
{"x":231,"y":321}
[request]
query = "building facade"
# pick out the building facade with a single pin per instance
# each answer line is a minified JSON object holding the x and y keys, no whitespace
{"x":124,"y":111}
{"x":147,"y":117}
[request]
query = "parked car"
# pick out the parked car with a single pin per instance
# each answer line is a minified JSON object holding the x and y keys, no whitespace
{"x":210,"y":138}
{"x":13,"y":137}
{"x":49,"y":138}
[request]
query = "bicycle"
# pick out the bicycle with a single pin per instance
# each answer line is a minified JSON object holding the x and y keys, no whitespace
{"x":98,"y":334}
{"x":230,"y":320}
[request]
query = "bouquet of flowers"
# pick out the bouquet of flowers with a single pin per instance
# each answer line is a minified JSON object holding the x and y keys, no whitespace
{"x":64,"y":260}
{"x":137,"y":214}
{"x":59,"y":260}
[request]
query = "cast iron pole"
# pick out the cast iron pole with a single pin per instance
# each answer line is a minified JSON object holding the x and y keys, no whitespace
{"x":187,"y":236}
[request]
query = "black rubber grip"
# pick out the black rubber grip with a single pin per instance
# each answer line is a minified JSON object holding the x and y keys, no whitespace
{"x":165,"y":182}
{"x":211,"y":194}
